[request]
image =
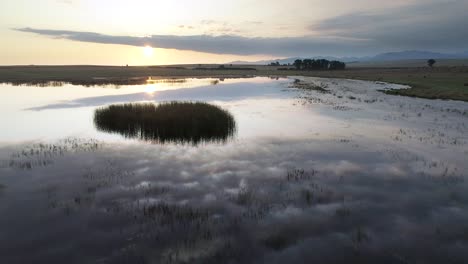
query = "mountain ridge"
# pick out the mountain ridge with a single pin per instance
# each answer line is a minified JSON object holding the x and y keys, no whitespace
{"x":387,"y":56}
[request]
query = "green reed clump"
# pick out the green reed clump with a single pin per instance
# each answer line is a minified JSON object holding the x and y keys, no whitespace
{"x":181,"y":122}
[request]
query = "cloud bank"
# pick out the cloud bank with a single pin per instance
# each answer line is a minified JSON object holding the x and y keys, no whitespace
{"x":440,"y":25}
{"x":225,"y":44}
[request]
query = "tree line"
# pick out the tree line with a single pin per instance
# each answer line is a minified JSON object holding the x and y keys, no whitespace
{"x":319,"y":64}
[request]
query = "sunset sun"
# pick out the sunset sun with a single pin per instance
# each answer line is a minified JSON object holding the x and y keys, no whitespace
{"x":148,"y":51}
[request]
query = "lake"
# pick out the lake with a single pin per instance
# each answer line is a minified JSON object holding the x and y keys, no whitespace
{"x":314,"y":167}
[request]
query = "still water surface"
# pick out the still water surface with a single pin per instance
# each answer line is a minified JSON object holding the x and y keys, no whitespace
{"x":351,"y":173}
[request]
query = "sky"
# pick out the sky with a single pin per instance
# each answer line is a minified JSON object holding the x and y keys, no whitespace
{"x":116,"y":32}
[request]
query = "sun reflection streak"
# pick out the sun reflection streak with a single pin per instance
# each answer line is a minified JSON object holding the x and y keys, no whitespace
{"x":150,"y":88}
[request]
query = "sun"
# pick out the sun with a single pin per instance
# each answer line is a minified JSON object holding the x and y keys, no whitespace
{"x":148,"y":51}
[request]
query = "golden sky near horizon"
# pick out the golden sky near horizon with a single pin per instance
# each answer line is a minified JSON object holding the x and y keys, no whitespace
{"x":247,"y":19}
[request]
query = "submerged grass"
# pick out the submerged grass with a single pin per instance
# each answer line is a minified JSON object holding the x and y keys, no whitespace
{"x":42,"y":154}
{"x":298,"y":84}
{"x":180,"y":122}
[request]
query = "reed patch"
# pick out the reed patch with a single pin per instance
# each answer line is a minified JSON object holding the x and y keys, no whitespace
{"x":177,"y":122}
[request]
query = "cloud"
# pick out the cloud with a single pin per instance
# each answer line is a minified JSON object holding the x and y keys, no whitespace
{"x":68,"y":2}
{"x":211,"y":22}
{"x":438,"y":26}
{"x":432,"y":25}
{"x":225,"y":44}
{"x":254,"y":22}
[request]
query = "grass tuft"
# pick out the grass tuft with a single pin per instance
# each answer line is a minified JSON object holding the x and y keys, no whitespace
{"x":178,"y":122}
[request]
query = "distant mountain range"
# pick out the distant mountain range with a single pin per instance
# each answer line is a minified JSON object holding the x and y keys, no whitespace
{"x":389,"y":56}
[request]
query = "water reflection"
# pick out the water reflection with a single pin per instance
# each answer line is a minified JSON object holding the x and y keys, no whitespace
{"x":273,"y":199}
{"x":179,"y":122}
{"x":101,"y":82}
{"x":195,"y":90}
{"x":376,"y":178}
{"x":168,"y":81}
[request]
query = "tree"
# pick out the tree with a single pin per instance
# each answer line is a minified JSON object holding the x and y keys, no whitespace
{"x":319,"y":65}
{"x":323,"y":64}
{"x":336,"y":65}
{"x":298,"y":64}
{"x":307,"y":64}
{"x":431,"y":62}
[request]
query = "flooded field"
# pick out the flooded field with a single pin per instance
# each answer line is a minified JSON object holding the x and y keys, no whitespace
{"x":309,"y":170}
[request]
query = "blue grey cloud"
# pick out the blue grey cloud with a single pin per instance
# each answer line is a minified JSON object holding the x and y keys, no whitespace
{"x":225,"y":44}
{"x":440,"y":25}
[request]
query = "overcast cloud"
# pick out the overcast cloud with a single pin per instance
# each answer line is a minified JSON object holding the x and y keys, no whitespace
{"x":441,"y":26}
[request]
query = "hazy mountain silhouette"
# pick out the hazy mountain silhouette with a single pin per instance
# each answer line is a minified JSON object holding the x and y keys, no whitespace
{"x":389,"y":56}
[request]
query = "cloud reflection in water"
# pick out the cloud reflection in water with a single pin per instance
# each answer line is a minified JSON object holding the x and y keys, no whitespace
{"x":246,"y":202}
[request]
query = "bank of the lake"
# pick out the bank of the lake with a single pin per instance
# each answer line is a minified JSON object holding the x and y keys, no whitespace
{"x":443,"y":82}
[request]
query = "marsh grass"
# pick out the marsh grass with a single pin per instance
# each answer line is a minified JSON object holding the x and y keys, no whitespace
{"x":222,"y":232}
{"x":179,"y":122}
{"x":298,"y":84}
{"x":150,"y":79}
{"x":39,"y":83}
{"x":87,"y":83}
{"x":42,"y":155}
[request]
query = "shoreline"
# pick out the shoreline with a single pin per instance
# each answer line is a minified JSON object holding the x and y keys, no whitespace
{"x":446,"y":83}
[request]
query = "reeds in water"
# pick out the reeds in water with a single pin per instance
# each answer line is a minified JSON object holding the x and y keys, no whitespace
{"x":179,"y":122}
